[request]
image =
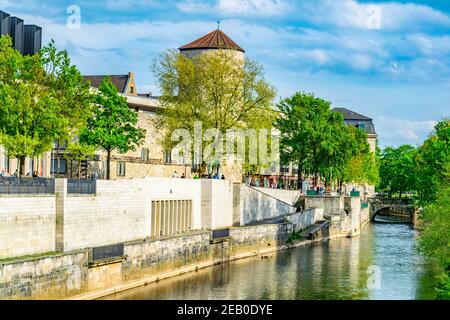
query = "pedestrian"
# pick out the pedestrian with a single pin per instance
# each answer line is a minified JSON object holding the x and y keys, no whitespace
{"x":175,"y":175}
{"x":183,"y":176}
{"x":223,"y":177}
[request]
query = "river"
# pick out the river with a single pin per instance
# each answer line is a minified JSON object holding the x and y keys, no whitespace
{"x":380,"y":264}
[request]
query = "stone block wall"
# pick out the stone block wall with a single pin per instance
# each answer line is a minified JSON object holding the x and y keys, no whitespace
{"x":254,"y":238}
{"x":27,"y":225}
{"x":255,"y":205}
{"x":49,"y":277}
{"x":216,"y":203}
{"x":304,"y":219}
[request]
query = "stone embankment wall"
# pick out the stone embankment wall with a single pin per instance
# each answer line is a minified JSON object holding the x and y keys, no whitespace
{"x":69,"y":274}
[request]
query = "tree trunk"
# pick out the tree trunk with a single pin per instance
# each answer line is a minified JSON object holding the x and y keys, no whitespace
{"x":108,"y":165}
{"x":79,"y":169}
{"x":21,"y":166}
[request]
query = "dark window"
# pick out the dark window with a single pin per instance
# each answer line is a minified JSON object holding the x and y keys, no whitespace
{"x":59,"y":166}
{"x":167,"y":157}
{"x":121,"y":169}
{"x":131,"y":89}
{"x":361,"y":126}
{"x":284,"y":169}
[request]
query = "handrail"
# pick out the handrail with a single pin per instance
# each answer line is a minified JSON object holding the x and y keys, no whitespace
{"x":270,"y":196}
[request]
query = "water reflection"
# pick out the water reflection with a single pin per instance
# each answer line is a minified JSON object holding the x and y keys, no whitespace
{"x":334,"y":270}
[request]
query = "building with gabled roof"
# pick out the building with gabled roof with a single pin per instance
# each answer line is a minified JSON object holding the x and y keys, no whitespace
{"x":362,"y":122}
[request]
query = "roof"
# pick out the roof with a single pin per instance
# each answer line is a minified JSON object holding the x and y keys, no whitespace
{"x":120,"y":81}
{"x":351,"y":115}
{"x":216,"y":39}
{"x":354,"y":119}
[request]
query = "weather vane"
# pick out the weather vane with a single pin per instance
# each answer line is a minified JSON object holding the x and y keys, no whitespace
{"x":218,"y":24}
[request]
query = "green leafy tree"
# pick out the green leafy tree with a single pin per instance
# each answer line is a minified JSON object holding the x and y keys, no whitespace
{"x":434,"y":239}
{"x":397,"y":167}
{"x":316,"y":139}
{"x":431,"y":160}
{"x":112,"y":125}
{"x":42,"y":99}
{"x":80,"y":152}
{"x":214,"y":88}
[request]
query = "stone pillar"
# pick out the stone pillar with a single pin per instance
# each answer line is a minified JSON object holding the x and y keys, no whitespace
{"x":61,"y":194}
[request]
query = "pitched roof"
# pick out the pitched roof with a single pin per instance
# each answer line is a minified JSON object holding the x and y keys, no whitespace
{"x":120,"y":81}
{"x":351,"y":115}
{"x":213,"y":40}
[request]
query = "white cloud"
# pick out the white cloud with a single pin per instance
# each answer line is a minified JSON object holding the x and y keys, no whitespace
{"x":353,"y":14}
{"x":130,"y":4}
{"x":237,"y":7}
{"x":397,"y":131}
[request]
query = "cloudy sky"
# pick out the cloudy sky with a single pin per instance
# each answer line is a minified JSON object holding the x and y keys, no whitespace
{"x":387,"y":60}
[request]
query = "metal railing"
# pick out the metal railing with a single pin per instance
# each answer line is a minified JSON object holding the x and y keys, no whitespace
{"x":220,"y":234}
{"x":81,"y":186}
{"x":27,"y":185}
{"x":106,"y":253}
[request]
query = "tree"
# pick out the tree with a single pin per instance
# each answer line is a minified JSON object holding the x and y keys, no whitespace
{"x":316,"y":139}
{"x":434,"y":240}
{"x":42,"y":99}
{"x":80,"y":152}
{"x":112,"y":125}
{"x":214,"y":88}
{"x":431,"y":160}
{"x":397,"y":167}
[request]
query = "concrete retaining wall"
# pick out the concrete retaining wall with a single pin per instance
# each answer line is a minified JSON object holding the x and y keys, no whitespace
{"x":256,"y":205}
{"x":304,"y":219}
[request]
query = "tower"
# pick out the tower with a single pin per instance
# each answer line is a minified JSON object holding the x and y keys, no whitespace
{"x":213,"y":41}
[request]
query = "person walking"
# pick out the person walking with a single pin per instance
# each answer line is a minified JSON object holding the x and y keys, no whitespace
{"x":175,"y":175}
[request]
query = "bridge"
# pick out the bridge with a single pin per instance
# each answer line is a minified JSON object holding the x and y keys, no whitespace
{"x":393,"y":210}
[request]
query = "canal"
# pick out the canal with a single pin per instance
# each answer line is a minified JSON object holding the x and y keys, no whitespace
{"x":380,"y":264}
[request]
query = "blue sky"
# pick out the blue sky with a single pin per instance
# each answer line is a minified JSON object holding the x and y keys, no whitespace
{"x":387,"y":60}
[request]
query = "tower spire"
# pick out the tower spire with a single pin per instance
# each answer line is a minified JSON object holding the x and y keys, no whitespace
{"x":218,"y":24}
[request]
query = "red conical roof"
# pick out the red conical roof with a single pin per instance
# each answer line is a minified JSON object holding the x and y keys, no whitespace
{"x":213,"y":40}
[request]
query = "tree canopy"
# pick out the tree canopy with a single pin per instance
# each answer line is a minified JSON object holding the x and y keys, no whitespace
{"x":43,"y":98}
{"x":112,"y":124}
{"x":318,"y":141}
{"x":214,"y":88}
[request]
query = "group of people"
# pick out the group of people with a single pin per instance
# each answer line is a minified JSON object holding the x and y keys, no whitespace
{"x":196,"y":177}
{"x":5,"y":173}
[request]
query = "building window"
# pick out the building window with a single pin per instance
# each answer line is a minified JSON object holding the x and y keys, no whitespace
{"x":284,"y":169}
{"x":131,"y":89}
{"x":361,"y":126}
{"x":59,"y":166}
{"x":145,"y":154}
{"x":121,"y":169}
{"x":167,"y":157}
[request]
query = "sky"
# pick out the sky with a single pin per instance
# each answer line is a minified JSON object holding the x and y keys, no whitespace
{"x":388,"y":60}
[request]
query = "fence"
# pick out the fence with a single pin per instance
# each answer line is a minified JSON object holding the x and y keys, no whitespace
{"x":220,"y":234}
{"x":106,"y":253}
{"x":26,"y":185}
{"x":80,"y":186}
